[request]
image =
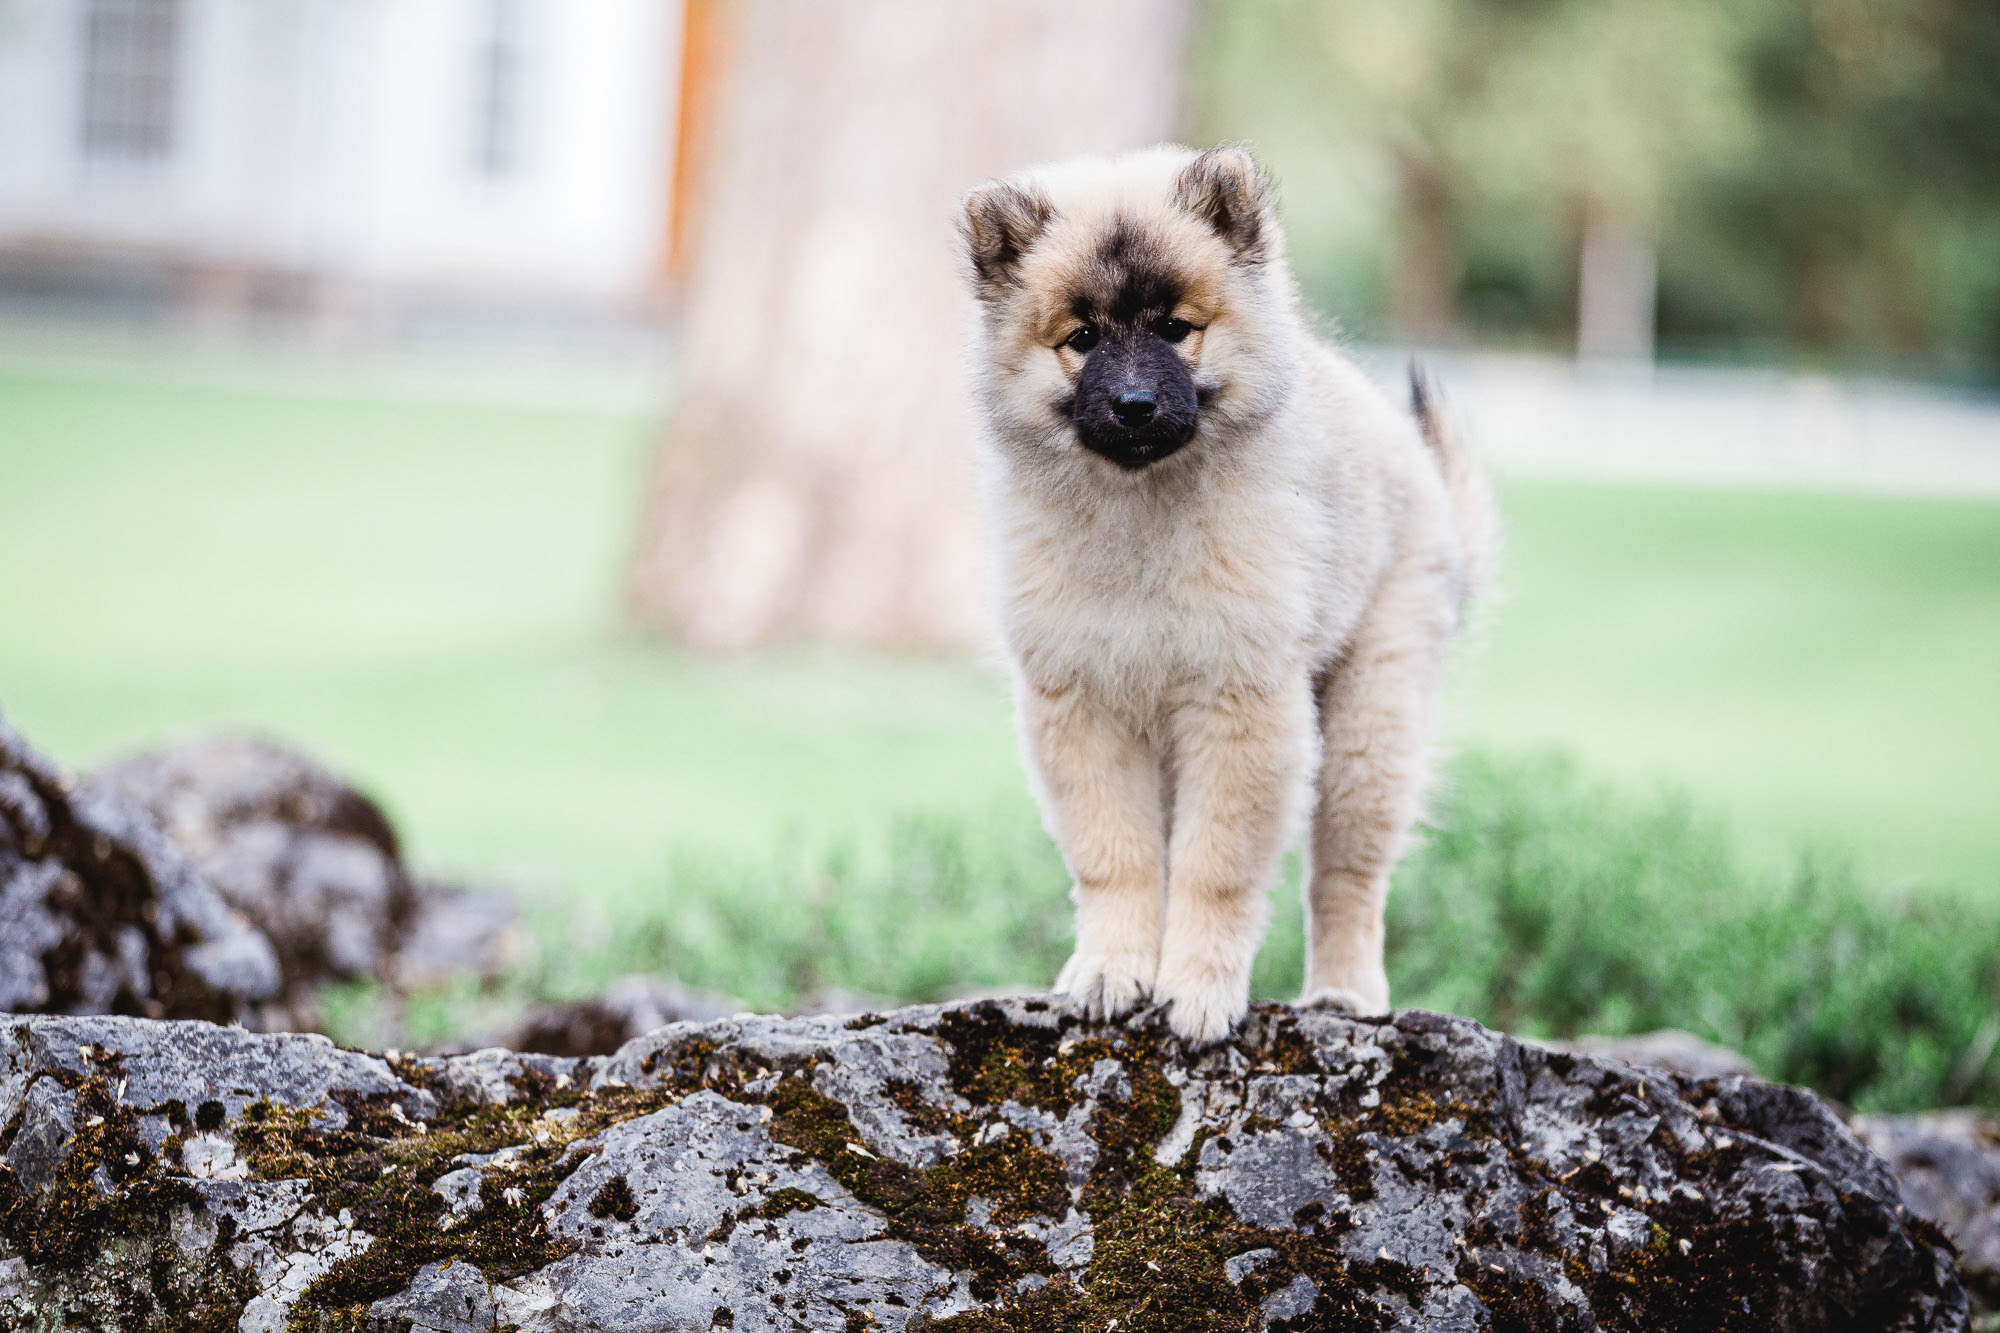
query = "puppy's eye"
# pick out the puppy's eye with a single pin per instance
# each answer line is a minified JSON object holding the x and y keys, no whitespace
{"x":1172,"y":329}
{"x":1081,"y":341}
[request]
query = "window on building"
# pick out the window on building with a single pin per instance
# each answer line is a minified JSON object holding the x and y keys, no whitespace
{"x":500,"y":94}
{"x":131,"y":67}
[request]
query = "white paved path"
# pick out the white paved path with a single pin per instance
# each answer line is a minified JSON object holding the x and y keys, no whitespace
{"x":1535,"y":415}
{"x":1550,"y":417}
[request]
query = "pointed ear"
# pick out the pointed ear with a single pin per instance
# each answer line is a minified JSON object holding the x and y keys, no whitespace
{"x":1225,"y":188}
{"x":1001,"y":221}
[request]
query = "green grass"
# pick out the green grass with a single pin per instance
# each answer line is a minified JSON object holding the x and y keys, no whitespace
{"x":1826,"y":669}
{"x":427,"y":596}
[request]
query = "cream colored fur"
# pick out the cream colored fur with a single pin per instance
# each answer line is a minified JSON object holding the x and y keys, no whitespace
{"x":1236,"y":642}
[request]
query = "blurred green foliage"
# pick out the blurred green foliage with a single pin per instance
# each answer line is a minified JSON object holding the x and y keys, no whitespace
{"x":1538,"y":902}
{"x":1816,"y":177}
{"x":1546,"y":904}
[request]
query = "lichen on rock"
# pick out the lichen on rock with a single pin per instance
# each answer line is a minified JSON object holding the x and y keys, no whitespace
{"x":1001,"y":1165}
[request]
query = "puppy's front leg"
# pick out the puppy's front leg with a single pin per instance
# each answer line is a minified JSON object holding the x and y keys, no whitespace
{"x":1101,"y":795}
{"x":1242,"y":761}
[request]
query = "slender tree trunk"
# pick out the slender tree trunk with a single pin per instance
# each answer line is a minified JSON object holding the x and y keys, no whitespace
{"x":1423,"y":288}
{"x":1617,"y":288}
{"x":815,"y":482}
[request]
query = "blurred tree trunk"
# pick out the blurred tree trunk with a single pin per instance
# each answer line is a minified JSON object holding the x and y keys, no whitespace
{"x":1617,"y":287}
{"x":815,"y":482}
{"x":1423,"y":287}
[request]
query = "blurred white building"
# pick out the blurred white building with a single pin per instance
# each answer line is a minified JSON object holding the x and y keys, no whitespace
{"x":354,"y":162}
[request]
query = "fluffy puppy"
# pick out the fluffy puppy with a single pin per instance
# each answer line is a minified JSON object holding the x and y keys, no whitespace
{"x":1228,"y":570}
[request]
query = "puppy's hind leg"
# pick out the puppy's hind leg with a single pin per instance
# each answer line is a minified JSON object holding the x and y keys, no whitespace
{"x":1101,"y":799}
{"x":1375,"y":718}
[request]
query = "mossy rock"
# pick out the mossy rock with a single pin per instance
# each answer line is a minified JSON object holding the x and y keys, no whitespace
{"x":997,"y":1166}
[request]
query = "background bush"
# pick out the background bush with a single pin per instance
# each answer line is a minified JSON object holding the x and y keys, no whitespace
{"x":1544,"y":904}
{"x":1538,"y":902}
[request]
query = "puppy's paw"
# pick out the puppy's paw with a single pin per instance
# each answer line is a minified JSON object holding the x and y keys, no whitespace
{"x":1345,"y":1000}
{"x":1107,"y":986}
{"x":1203,"y":1009}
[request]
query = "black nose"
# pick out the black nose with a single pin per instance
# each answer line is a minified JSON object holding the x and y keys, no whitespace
{"x":1134,"y":409}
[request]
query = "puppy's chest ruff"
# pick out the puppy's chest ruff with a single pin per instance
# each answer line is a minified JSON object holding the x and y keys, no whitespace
{"x":1139,"y":601}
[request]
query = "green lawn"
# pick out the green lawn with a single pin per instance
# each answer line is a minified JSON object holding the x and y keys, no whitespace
{"x":426,"y":594}
{"x":1825,"y":670}
{"x":427,"y":597}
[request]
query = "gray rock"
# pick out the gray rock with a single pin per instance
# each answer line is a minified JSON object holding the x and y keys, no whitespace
{"x":311,"y":861}
{"x":1949,"y":1165}
{"x":456,"y":931}
{"x":630,"y":1007}
{"x":844,"y":1003}
{"x":1247,"y":1263}
{"x":493,"y":1077}
{"x":203,"y":791}
{"x":199,"y":1073}
{"x":975,"y":1168}
{"x":1293,"y":1301}
{"x":453,"y":1297}
{"x":315,"y":865}
{"x":42,"y":1134}
{"x":31,"y":927}
{"x":460,"y":1189}
{"x":100,"y":913}
{"x":1667,"y":1049}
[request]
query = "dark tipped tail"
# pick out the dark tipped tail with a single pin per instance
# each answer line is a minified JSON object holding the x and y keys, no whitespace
{"x":1424,"y":407}
{"x":1476,"y":515}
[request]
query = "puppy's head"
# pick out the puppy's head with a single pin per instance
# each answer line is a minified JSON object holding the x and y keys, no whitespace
{"x":1129,"y":306}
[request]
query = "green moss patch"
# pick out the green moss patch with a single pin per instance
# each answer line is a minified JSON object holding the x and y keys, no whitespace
{"x":111,"y":1190}
{"x":61,"y":1225}
{"x":1159,"y":1252}
{"x":380,"y":1168}
{"x":928,"y":1207}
